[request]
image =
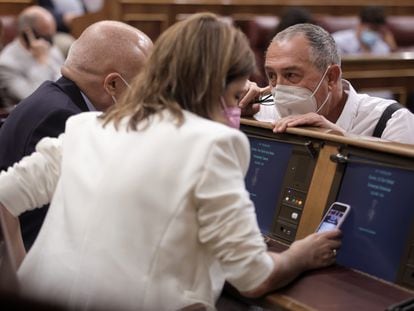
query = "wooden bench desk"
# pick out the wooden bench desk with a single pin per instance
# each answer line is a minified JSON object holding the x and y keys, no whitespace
{"x":393,"y":72}
{"x":332,"y":288}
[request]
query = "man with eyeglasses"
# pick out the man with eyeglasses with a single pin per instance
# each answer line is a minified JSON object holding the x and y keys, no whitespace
{"x":99,"y":66}
{"x":305,"y":79}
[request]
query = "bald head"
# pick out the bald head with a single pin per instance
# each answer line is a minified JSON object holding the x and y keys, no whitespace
{"x":104,"y":58}
{"x":38,"y":19}
{"x":109,"y":46}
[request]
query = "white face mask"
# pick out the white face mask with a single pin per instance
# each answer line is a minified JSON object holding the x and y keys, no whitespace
{"x":125,"y":81}
{"x":294,"y":100}
{"x":369,"y":37}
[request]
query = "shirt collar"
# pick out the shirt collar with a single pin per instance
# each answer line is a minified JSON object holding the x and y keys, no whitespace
{"x":350,"y":108}
{"x":91,"y":107}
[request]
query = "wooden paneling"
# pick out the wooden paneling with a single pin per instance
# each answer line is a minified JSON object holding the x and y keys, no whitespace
{"x":319,"y":190}
{"x":13,"y":7}
{"x":120,"y":9}
{"x":80,"y":23}
{"x":271,"y":7}
{"x":9,"y":259}
{"x":152,"y":24}
{"x":154,"y":16}
{"x":393,"y":72}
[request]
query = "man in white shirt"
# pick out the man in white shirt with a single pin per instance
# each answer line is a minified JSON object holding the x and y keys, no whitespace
{"x":31,"y":58}
{"x":65,"y":11}
{"x":370,"y":36}
{"x":305,"y":78}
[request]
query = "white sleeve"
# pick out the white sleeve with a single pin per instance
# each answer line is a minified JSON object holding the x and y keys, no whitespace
{"x":267,"y":113}
{"x":22,"y":85}
{"x":228,"y":225}
{"x":400,"y":128}
{"x":31,"y":182}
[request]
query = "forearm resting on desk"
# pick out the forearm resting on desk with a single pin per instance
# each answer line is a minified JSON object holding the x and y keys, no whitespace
{"x":11,"y":230}
{"x":284,"y":272}
{"x":314,"y":251}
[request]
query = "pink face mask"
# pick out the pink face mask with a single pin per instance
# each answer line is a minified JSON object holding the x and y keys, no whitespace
{"x":232,"y":114}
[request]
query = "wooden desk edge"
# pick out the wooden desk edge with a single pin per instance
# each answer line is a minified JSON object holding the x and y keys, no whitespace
{"x":353,"y":140}
{"x":285,"y":302}
{"x":281,"y":299}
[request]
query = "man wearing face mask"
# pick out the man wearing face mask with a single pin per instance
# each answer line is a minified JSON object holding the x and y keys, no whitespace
{"x":305,"y":78}
{"x":99,"y":67}
{"x":31,"y":58}
{"x":370,"y":36}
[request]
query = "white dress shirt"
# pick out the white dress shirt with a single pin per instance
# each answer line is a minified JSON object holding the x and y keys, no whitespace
{"x":69,"y":6}
{"x":78,"y":6}
{"x":348,"y":43}
{"x":21,"y":74}
{"x":360,"y":116}
{"x":138,"y":219}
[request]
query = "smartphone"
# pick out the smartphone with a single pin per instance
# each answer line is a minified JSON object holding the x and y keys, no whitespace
{"x":26,"y":39}
{"x":335,"y":216}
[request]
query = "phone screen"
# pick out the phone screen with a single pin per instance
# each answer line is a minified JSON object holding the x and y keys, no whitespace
{"x":334,"y":217}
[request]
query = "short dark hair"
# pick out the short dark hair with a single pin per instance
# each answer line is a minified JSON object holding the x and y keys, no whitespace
{"x":292,"y":16}
{"x":372,"y":15}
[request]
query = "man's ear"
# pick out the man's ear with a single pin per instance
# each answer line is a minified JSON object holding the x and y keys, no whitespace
{"x":110,"y":83}
{"x":334,"y":75}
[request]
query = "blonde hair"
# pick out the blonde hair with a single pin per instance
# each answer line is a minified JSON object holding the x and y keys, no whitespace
{"x":190,"y":66}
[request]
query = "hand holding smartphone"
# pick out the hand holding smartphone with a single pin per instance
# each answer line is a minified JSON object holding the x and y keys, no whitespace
{"x":37,"y":45}
{"x":334,"y":217}
{"x":29,"y":36}
{"x":26,"y":39}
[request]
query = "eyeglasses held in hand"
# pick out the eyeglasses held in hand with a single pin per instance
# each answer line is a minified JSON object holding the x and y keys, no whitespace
{"x":265,"y":100}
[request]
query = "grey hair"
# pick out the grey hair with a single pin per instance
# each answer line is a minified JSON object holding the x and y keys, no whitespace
{"x":26,"y":21}
{"x":324,"y":49}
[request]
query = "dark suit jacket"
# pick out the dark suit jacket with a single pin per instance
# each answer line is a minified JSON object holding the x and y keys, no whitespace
{"x":44,"y":113}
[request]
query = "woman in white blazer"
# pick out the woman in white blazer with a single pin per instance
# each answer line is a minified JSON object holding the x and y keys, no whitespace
{"x":148,"y":205}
